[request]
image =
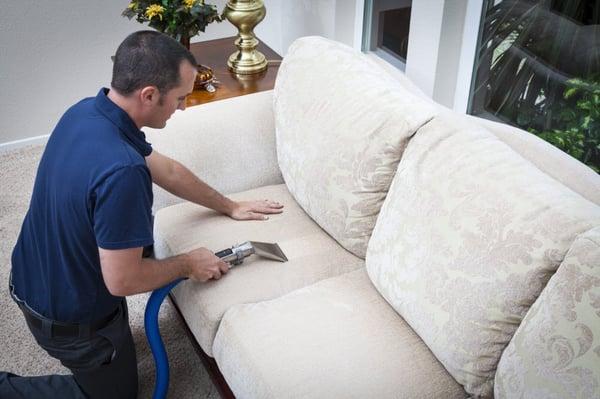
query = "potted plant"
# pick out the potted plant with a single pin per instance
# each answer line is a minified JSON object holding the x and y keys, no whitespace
{"x":180,"y":19}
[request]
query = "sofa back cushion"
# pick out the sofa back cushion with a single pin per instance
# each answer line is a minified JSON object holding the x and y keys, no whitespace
{"x":465,"y":242}
{"x":556,"y":350}
{"x":342,"y":124}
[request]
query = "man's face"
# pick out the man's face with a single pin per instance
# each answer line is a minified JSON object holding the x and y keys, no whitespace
{"x":174,"y":99}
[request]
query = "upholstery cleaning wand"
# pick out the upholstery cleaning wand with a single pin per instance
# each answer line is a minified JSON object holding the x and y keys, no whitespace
{"x":234,"y":256}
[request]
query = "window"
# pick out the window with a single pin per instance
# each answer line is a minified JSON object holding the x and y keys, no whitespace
{"x":538,"y":68}
{"x":387,"y":23}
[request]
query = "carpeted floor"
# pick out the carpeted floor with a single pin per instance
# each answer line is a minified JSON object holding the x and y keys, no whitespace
{"x":20,"y":354}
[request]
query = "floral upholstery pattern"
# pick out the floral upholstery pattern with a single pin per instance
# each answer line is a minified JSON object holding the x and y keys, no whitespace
{"x":466,"y":241}
{"x":341,"y":129}
{"x":555,"y":353}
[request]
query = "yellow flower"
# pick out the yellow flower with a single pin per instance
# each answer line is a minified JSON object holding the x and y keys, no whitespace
{"x":154,"y":10}
{"x":132,"y":5}
{"x":189,"y":3}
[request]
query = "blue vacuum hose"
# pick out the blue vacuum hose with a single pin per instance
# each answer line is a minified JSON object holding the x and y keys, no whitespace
{"x":155,"y":341}
{"x":234,"y":256}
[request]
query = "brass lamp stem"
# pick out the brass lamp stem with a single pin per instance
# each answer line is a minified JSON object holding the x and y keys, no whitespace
{"x":245,"y":15}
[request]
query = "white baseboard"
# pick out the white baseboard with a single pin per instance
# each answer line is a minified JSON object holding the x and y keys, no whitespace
{"x":13,"y":145}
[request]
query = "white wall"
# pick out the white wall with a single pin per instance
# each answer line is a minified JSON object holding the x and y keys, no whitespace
{"x":449,"y":52}
{"x":305,"y":17}
{"x":423,"y":43}
{"x":441,"y":49}
{"x":52,"y":54}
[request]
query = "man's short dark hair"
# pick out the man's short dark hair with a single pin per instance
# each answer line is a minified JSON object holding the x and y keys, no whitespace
{"x":148,"y":58}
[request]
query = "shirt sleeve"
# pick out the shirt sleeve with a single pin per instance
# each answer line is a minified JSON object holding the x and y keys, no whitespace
{"x":123,"y":209}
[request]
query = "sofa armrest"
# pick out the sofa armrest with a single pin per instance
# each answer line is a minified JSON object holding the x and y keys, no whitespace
{"x":230,"y":144}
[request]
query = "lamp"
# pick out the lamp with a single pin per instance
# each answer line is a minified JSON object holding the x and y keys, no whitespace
{"x":245,"y":15}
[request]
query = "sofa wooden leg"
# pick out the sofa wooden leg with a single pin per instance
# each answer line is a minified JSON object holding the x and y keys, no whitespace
{"x":209,"y":363}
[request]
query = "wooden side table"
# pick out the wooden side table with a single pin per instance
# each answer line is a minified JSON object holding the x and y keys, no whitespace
{"x":214,"y":54}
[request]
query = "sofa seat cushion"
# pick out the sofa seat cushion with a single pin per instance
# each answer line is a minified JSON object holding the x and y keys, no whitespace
{"x":341,"y":129}
{"x":312,"y":254}
{"x":335,"y":339}
{"x":467,"y":239}
{"x":555,"y":353}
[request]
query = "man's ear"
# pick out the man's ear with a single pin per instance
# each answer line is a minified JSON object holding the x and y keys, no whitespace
{"x":149,"y":95}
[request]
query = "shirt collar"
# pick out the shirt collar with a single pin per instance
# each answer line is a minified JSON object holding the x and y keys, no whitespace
{"x":123,"y":121}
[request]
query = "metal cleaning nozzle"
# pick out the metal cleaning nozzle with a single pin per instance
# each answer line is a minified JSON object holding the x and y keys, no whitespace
{"x":236,"y":254}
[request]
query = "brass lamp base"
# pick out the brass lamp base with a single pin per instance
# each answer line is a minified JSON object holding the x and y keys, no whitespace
{"x":247,"y":62}
{"x":245,"y":15}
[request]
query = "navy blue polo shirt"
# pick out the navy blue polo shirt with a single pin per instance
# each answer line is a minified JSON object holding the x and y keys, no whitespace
{"x":92,"y":189}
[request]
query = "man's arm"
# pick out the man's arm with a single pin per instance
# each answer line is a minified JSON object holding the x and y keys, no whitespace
{"x":126,"y":273}
{"x":180,"y":181}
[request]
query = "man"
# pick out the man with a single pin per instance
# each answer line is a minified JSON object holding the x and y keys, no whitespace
{"x":80,"y":248}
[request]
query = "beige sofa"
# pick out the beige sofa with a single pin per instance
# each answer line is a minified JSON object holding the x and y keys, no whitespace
{"x":431,"y":255}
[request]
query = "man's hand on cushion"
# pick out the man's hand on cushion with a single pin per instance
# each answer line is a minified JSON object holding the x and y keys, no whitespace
{"x":255,"y":210}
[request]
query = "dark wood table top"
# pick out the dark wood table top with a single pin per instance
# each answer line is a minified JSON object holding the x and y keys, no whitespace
{"x":214,"y":54}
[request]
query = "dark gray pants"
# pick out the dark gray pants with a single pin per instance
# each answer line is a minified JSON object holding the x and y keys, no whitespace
{"x":104,"y":365}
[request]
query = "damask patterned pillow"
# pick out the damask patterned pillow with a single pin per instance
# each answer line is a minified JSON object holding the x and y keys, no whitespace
{"x":466,"y":240}
{"x":555,"y":353}
{"x":342,"y":124}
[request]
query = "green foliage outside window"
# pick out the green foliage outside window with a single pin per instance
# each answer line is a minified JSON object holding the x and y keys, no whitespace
{"x":538,"y":68}
{"x":579,"y":132}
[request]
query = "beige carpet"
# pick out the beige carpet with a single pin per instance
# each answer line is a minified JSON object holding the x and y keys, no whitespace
{"x":20,"y":354}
